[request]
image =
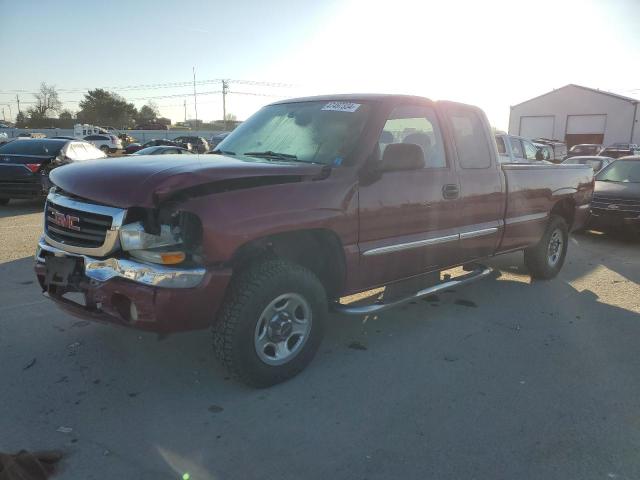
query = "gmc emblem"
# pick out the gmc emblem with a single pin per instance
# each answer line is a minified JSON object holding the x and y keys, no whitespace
{"x":67,"y":221}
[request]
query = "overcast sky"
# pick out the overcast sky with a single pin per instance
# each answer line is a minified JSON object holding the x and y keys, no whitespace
{"x":490,"y":53}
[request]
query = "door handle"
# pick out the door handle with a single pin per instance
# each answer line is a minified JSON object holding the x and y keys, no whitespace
{"x":450,"y":191}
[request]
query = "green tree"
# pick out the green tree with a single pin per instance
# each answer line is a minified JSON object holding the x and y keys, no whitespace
{"x":65,"y":115}
{"x":148,"y":113}
{"x":101,"y":107}
{"x":21,"y":120}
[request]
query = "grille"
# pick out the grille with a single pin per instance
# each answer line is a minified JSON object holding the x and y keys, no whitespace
{"x":625,"y":205}
{"x":74,"y":227}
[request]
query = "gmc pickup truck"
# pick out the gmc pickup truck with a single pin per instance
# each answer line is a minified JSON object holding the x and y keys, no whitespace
{"x":306,"y":202}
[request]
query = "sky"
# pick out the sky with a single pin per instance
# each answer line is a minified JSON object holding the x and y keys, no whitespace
{"x":490,"y":53}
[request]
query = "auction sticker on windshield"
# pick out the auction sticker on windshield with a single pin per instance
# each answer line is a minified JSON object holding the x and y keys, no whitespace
{"x":341,"y":107}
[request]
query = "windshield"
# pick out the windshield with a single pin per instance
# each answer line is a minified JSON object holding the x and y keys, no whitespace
{"x":32,"y":147}
{"x":148,"y":151}
{"x":592,"y":162}
{"x":584,"y":149}
{"x":621,"y":171}
{"x":321,"y":132}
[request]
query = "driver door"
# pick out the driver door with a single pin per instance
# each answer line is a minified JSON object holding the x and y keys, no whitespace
{"x":408,"y":221}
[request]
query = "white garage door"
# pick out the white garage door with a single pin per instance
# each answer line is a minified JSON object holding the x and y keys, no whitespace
{"x":577,"y":124}
{"x":537,"y":127}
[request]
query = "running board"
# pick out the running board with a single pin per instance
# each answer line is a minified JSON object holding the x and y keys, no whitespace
{"x":378,"y":307}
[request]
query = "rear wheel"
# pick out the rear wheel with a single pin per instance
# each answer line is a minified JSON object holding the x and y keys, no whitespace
{"x":104,"y":148}
{"x":545,"y":260}
{"x":271,"y":323}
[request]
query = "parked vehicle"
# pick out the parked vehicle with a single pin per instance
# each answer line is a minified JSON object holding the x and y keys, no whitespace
{"x":162,"y":150}
{"x":198,"y":144}
{"x":217,"y":138}
{"x":558,"y":147}
{"x":62,"y":137}
{"x":595,"y":162}
{"x":616,"y":198}
{"x":106,"y":143}
{"x":25,"y":166}
{"x":134,"y":147}
{"x":81,"y":130}
{"x":514,"y":149}
{"x":618,"y":150}
{"x":584,"y":149}
{"x":31,"y":135}
{"x":151,"y":126}
{"x":313,"y":199}
{"x":4,"y":138}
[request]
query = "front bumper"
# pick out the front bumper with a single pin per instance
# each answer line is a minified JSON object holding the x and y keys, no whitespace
{"x":611,"y":219}
{"x":134,"y":294}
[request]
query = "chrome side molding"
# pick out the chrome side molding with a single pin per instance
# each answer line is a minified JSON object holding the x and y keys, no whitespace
{"x":349,"y":309}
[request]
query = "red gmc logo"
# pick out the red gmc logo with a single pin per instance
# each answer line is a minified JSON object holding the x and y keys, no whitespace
{"x":66,"y":221}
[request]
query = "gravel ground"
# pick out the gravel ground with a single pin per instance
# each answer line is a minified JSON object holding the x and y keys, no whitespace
{"x":504,"y":378}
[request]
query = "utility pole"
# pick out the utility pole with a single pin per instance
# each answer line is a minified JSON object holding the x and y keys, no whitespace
{"x":195,"y":101}
{"x":185,"y":111}
{"x":225,"y":90}
{"x":10,"y":114}
{"x":3,"y":119}
{"x":18,"y":100}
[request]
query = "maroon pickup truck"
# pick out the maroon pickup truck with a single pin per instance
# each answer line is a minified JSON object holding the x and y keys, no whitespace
{"x":306,"y":202}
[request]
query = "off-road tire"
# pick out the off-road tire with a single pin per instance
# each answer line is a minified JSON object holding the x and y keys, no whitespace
{"x":249,"y":293}
{"x":537,"y":258}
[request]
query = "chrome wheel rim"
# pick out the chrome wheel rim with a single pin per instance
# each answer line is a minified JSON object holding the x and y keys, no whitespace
{"x":282,"y":329}
{"x":554,"y":251}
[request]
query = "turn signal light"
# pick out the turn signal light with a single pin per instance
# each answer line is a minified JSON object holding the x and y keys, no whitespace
{"x":33,"y":167}
{"x":172,"y":258}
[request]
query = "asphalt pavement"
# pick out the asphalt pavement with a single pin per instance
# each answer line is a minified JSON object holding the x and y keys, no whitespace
{"x":502,"y":379}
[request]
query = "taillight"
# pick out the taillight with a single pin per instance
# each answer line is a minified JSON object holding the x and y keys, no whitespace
{"x":33,"y":167}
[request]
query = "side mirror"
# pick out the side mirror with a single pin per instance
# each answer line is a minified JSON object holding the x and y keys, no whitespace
{"x":402,"y":156}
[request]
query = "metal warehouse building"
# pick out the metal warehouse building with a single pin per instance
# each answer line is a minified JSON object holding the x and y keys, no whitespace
{"x":577,"y":114}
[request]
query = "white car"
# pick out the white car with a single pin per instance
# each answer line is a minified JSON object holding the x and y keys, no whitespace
{"x":4,"y":138}
{"x":106,"y":143}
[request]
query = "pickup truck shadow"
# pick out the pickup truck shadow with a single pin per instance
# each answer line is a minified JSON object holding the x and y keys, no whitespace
{"x":16,"y":208}
{"x":498,"y":362}
{"x":588,"y":257}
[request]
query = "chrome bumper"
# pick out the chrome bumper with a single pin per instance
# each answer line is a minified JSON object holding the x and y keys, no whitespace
{"x":146,"y":274}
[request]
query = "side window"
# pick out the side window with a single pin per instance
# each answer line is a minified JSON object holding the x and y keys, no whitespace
{"x":470,"y":138}
{"x":516,"y":147}
{"x":417,"y":125}
{"x":530,"y":151}
{"x":501,"y":147}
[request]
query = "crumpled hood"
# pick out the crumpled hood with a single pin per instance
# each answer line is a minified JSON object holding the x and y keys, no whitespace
{"x":145,"y":180}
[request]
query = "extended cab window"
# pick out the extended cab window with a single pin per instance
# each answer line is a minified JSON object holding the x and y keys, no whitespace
{"x":470,"y":138}
{"x":417,"y":125}
{"x":500,"y":144}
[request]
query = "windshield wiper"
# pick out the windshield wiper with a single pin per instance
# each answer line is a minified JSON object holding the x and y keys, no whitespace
{"x":224,"y":152}
{"x":272,"y":154}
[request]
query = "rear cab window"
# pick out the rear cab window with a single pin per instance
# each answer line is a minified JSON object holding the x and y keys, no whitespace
{"x":469,"y":136}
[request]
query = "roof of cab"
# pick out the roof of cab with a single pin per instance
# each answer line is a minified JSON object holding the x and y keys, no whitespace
{"x":363,"y":97}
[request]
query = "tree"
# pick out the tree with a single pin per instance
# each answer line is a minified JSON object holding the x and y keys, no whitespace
{"x":47,"y":101}
{"x":148,"y":113}
{"x":66,"y":115}
{"x":21,"y":120}
{"x":102,"y":107}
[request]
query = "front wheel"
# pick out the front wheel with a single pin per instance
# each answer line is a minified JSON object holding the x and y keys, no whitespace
{"x":271,"y":323}
{"x":104,"y":149}
{"x":545,"y":260}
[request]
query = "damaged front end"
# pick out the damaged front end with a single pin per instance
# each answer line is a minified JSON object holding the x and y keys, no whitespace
{"x":139,"y":267}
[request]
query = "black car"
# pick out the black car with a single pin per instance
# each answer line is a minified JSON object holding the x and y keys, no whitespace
{"x":217,"y":138}
{"x":616,"y":197}
{"x":618,"y":150}
{"x":134,"y":147}
{"x":584,"y":150}
{"x":198,"y":144}
{"x":25,"y":164}
{"x":162,"y":150}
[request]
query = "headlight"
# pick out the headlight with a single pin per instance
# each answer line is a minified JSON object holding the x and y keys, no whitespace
{"x":133,"y":237}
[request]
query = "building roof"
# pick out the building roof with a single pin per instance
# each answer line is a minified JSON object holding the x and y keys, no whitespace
{"x":594,"y":90}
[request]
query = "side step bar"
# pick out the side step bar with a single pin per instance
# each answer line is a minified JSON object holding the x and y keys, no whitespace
{"x":477,"y":274}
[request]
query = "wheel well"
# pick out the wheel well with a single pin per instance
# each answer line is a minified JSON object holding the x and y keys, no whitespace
{"x":566,"y":209}
{"x":319,"y":250}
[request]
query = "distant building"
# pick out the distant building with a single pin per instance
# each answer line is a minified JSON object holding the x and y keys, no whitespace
{"x":577,"y":114}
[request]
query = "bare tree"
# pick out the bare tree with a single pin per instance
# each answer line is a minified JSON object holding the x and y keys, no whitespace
{"x":46,"y":100}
